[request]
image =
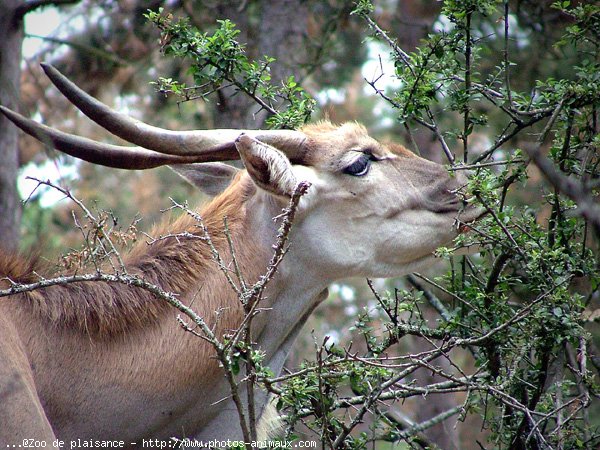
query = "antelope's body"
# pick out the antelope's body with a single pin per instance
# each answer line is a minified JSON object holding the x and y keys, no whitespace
{"x":109,"y":361}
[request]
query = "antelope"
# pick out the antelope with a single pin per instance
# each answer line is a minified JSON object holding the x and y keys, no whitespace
{"x":95,"y":360}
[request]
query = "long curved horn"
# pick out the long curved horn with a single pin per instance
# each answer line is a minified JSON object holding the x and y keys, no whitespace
{"x":117,"y":156}
{"x":181,"y":143}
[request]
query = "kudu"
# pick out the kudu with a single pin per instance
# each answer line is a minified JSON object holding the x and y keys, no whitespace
{"x":108,"y":361}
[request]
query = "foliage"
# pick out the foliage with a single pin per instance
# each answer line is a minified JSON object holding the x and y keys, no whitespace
{"x":518,"y":305}
{"x":217,"y":60}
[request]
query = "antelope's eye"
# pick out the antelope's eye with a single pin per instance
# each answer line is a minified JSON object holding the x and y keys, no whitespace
{"x":359,"y":167}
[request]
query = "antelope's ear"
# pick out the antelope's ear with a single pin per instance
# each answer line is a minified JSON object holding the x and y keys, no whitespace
{"x":210,"y":178}
{"x":268,"y":167}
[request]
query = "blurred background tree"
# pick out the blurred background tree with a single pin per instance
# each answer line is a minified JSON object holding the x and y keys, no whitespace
{"x":345,"y":61}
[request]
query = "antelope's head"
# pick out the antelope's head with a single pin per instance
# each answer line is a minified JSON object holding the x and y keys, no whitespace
{"x":372,"y":209}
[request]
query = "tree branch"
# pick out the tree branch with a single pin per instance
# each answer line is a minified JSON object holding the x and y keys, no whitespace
{"x":587,"y":205}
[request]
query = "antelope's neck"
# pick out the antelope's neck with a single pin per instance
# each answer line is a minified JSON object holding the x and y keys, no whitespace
{"x":291,"y":295}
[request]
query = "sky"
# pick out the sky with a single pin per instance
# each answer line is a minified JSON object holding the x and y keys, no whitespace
{"x":42,"y":22}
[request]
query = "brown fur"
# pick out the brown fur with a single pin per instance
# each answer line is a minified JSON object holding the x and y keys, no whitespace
{"x":17,"y":268}
{"x":354,"y":133}
{"x":176,"y":265}
{"x":325,"y":126}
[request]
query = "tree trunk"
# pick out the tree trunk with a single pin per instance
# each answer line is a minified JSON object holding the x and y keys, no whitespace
{"x":278,"y":37}
{"x":284,"y":27}
{"x":11,"y":38}
{"x":234,"y":110}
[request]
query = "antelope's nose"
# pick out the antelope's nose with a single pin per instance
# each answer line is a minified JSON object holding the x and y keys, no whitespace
{"x":445,"y":194}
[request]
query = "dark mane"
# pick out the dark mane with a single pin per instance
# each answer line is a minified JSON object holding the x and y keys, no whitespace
{"x":176,"y":265}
